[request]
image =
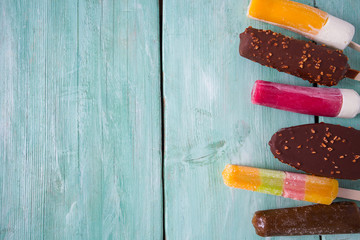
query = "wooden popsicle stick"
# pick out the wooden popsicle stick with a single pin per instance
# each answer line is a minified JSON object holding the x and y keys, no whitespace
{"x":355,"y":46}
{"x":353,"y":74}
{"x":349,"y":194}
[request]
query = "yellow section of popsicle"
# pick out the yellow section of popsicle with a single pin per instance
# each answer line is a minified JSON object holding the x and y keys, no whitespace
{"x":247,"y":178}
{"x":288,"y":14}
{"x":320,"y":189}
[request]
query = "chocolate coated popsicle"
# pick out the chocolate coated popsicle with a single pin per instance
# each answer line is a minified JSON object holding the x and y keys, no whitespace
{"x":321,"y":149}
{"x":337,"y":218}
{"x":315,"y":63}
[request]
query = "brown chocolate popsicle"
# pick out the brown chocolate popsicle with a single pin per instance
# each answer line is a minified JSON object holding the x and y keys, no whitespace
{"x":321,"y":149}
{"x":315,"y":63}
{"x":337,"y":218}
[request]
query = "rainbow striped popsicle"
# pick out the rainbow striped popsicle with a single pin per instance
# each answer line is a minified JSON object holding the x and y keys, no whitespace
{"x":287,"y":184}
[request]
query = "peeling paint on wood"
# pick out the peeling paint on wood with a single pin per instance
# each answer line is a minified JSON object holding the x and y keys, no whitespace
{"x":80,"y":130}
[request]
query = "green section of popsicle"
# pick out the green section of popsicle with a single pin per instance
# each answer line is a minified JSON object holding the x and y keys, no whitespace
{"x":271,"y":182}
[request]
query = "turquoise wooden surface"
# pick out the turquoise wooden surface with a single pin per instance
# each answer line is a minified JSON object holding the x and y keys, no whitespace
{"x":80,"y":122}
{"x":210,"y":121}
{"x":80,"y":119}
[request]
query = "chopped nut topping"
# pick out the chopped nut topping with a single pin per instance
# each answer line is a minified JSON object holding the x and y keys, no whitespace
{"x":298,"y":146}
{"x":323,"y":145}
{"x":312,"y":130}
{"x":338,"y":172}
{"x":325,"y":158}
{"x":307,"y":45}
{"x":313,"y":152}
{"x":330,"y":149}
{"x":286,"y":147}
{"x":341,"y":157}
{"x":292,"y":138}
{"x":278,"y":152}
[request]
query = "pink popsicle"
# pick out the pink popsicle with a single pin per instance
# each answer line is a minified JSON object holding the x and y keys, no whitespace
{"x":328,"y":102}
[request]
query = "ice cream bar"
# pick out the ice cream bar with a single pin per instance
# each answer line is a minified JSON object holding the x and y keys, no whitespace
{"x":308,"y":21}
{"x":328,"y":102}
{"x":337,"y":218}
{"x":315,"y":63}
{"x":321,"y":149}
{"x":290,"y":185}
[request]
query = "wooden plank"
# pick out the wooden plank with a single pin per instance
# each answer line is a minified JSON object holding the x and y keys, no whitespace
{"x":345,"y":10}
{"x":80,"y":128}
{"x":210,"y":121}
{"x":23,"y":99}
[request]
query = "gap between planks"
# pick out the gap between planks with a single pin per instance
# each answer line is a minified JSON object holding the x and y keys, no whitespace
{"x":162,"y":108}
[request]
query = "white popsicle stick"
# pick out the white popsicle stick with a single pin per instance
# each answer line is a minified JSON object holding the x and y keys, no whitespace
{"x":349,"y":194}
{"x":353,"y":74}
{"x":355,"y":46}
{"x":357,"y":78}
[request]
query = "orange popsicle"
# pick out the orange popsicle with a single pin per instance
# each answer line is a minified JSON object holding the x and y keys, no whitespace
{"x":311,"y":22}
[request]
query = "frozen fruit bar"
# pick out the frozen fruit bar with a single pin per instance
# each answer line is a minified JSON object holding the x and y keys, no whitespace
{"x":290,"y":185}
{"x":337,"y":218}
{"x":306,"y":20}
{"x":328,"y":102}
{"x":321,"y":149}
{"x":315,"y":63}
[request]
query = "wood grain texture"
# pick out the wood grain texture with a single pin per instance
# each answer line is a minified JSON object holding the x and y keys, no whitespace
{"x":210,"y":121}
{"x":80,"y":120}
{"x":345,"y":10}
